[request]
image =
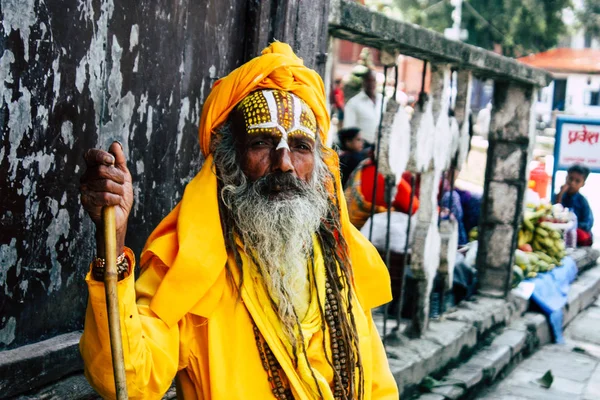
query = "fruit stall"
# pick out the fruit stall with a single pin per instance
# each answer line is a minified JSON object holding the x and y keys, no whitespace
{"x":543,"y":270}
{"x":541,"y":242}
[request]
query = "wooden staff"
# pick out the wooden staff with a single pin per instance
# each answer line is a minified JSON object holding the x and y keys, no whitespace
{"x":111,"y":277}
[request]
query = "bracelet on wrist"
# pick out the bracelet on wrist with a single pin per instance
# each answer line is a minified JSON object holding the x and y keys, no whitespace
{"x":99,"y":267}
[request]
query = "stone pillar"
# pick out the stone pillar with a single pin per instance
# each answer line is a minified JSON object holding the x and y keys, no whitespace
{"x":431,"y":140}
{"x":505,"y":185}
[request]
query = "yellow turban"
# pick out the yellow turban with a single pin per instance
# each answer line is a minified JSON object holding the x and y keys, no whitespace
{"x":277,"y":68}
{"x":189,"y":241}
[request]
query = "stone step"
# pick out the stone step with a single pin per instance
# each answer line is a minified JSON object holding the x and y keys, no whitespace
{"x":520,"y":338}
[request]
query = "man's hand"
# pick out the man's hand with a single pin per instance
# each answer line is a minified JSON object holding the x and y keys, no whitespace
{"x":564,"y":188}
{"x":107,"y":182}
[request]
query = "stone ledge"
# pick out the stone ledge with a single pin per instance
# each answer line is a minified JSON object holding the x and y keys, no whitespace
{"x":38,"y":364}
{"x":73,"y":387}
{"x":585,"y":257}
{"x":351,"y":21}
{"x":582,"y":294}
{"x":485,"y":313}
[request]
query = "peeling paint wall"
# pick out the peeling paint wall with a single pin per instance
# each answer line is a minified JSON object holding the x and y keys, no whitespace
{"x":151,"y":63}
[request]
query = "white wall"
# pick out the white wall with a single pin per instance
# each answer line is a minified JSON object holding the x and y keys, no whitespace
{"x":577,"y":85}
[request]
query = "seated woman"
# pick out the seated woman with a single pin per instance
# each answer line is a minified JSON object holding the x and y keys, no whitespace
{"x":359,"y":194}
{"x":353,"y":152}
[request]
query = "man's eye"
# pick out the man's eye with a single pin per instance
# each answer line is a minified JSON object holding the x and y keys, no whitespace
{"x":260,"y":143}
{"x":303,"y":147}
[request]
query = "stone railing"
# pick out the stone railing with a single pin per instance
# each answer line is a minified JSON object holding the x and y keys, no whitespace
{"x":439,"y":141}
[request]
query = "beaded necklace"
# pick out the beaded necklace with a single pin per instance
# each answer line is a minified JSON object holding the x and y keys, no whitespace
{"x":343,"y":387}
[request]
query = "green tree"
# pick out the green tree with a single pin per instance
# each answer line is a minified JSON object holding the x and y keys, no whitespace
{"x":519,"y":27}
{"x":589,"y":17}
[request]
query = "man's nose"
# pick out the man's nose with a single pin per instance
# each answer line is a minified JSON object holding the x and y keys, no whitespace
{"x":283,"y":160}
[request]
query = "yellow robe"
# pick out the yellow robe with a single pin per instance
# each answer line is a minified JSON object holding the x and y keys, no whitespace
{"x":183,"y":317}
{"x":217,"y":357}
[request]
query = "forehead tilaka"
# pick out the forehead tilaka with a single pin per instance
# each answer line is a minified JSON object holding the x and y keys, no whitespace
{"x":279,"y":112}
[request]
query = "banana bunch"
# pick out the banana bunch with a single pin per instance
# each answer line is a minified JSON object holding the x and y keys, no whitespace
{"x":530,"y":263}
{"x":541,"y":247}
{"x":549,"y":242}
{"x":525,"y":237}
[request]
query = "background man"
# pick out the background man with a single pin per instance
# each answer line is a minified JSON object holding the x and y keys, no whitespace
{"x":363,"y":111}
{"x":256,"y":285}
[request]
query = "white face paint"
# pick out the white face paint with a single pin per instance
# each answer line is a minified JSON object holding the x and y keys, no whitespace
{"x":274,"y":122}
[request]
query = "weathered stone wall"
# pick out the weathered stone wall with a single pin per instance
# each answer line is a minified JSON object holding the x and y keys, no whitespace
{"x":511,"y":135}
{"x":160,"y":59}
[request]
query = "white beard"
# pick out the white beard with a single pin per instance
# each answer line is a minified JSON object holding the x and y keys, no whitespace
{"x":276,"y":229}
{"x":279,"y":234}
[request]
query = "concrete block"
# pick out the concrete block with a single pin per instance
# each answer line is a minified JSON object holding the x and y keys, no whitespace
{"x":585,"y":257}
{"x":508,"y":162}
{"x":432,"y":355}
{"x":502,"y":200}
{"x":519,"y":325}
{"x":402,"y":369}
{"x":470,"y":374}
{"x":499,"y":246}
{"x":511,"y":112}
{"x":492,"y":360}
{"x":538,"y":324}
{"x":482,"y":312}
{"x":453,"y":336}
{"x":512,"y":338}
{"x":582,"y":294}
{"x":493,"y":282}
{"x":431,"y":396}
{"x":520,"y":305}
{"x":449,"y":392}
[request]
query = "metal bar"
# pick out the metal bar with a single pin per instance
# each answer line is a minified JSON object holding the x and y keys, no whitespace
{"x":441,"y":199}
{"x":389,"y":185}
{"x":413,"y":186}
{"x":395,"y":81}
{"x":422,"y":94}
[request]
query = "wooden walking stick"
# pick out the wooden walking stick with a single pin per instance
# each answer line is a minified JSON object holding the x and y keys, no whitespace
{"x":111,"y":277}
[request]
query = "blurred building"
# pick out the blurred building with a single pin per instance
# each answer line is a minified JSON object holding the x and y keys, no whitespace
{"x":576,"y":86}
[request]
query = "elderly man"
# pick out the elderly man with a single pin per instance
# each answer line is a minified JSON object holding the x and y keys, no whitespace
{"x":256,"y":285}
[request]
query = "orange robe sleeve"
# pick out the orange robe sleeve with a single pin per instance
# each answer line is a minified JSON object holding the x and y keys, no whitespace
{"x":151,"y":349}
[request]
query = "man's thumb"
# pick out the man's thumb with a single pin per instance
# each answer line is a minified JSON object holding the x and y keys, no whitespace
{"x":116,"y":149}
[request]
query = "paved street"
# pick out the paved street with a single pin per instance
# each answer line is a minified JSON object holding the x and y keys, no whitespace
{"x":575,"y":366}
